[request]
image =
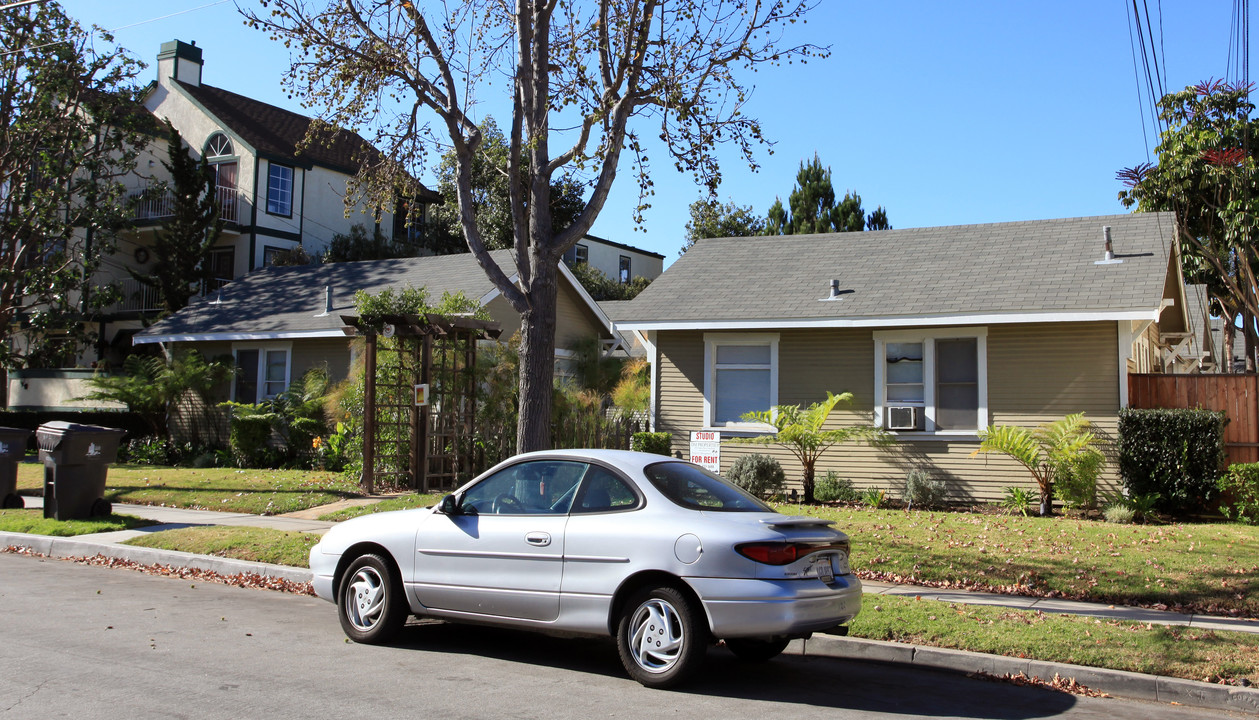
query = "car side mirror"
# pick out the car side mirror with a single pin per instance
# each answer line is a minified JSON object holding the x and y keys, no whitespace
{"x":450,"y":506}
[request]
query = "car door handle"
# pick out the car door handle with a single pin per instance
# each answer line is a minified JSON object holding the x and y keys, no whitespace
{"x":540,"y":539}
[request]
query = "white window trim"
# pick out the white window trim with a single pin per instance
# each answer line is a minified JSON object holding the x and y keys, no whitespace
{"x":711,"y":341}
{"x":292,"y":189}
{"x":928,"y":337}
{"x":262,"y":349}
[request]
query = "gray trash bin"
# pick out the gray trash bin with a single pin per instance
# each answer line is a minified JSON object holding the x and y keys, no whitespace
{"x":12,"y":449}
{"x":76,"y":458}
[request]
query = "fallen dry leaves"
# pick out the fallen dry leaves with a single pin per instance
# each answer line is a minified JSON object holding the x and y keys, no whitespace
{"x":244,"y":580}
{"x":1058,"y":683}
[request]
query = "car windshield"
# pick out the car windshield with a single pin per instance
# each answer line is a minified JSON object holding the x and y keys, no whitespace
{"x":695,"y":488}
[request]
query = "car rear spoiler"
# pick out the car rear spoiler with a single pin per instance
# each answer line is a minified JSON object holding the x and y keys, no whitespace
{"x":796,"y":521}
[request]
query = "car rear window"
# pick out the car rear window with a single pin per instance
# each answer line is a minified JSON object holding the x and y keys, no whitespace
{"x":695,"y":488}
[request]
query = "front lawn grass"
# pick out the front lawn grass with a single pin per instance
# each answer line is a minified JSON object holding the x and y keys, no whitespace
{"x":403,"y":502}
{"x":259,"y":492}
{"x":279,"y":547}
{"x":1201,"y":568}
{"x":1170,"y":651}
{"x":33,"y":522}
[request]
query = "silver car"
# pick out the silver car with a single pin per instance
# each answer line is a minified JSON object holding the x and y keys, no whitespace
{"x":662,"y":554}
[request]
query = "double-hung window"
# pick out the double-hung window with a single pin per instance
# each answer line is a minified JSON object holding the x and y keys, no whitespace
{"x":932,"y":381}
{"x":262,"y":372}
{"x":280,"y":190}
{"x":740,"y":376}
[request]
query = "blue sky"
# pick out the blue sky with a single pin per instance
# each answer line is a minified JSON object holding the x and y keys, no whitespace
{"x":944,"y":113}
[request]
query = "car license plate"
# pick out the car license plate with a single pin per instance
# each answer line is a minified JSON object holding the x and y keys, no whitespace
{"x":841,"y":564}
{"x":824,"y":570}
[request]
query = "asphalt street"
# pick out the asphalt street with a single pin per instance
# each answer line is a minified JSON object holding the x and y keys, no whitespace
{"x":92,"y":642}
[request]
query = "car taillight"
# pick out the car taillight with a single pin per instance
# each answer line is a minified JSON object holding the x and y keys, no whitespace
{"x":785,"y":553}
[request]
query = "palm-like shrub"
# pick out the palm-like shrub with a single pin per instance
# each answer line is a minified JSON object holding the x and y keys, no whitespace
{"x":152,"y":387}
{"x":1063,"y":448}
{"x":800,"y":431}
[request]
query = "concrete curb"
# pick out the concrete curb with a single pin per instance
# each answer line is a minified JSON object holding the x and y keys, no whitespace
{"x":1116,"y":683}
{"x":61,"y":547}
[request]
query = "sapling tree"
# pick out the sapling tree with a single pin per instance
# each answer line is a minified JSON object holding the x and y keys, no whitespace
{"x":802,"y":431}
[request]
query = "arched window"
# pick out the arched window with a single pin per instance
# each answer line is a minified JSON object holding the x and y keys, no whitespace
{"x":218,"y":145}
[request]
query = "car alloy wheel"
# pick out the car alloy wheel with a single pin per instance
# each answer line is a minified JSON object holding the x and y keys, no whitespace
{"x":371,"y":605}
{"x":659,"y":638}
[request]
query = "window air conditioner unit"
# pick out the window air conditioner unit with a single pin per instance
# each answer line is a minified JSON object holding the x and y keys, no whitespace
{"x":902,"y":418}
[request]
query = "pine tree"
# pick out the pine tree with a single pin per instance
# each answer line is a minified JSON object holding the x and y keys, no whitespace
{"x":179,"y":251}
{"x":813,"y":207}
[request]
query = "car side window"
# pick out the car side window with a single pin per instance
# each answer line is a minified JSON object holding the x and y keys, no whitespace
{"x":538,"y":487}
{"x":603,"y":491}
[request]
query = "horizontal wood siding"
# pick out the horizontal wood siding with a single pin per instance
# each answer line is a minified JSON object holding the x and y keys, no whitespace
{"x":573,"y":319}
{"x":333,"y":353}
{"x":1036,"y":374}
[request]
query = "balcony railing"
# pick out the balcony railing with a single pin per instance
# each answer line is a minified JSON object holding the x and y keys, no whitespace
{"x":152,"y":204}
{"x":138,"y":297}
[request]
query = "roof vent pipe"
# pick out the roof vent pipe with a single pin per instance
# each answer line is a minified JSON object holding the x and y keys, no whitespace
{"x":327,"y":301}
{"x":835,"y":294}
{"x":1108,"y":257}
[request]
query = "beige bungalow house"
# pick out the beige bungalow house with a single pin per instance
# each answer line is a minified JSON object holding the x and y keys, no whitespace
{"x":279,"y":322}
{"x":937,"y":333}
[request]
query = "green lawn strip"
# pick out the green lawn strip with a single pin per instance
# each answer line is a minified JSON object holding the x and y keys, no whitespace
{"x":260,"y":492}
{"x":404,"y":502}
{"x":1170,"y":651}
{"x":280,"y":547}
{"x":33,"y":522}
{"x":1203,"y":568}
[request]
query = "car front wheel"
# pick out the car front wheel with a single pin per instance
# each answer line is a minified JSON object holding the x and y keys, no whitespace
{"x":660,"y":638}
{"x":371,"y":605}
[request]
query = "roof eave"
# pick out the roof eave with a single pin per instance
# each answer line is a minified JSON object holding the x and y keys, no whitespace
{"x":237,"y":336}
{"x":1056,"y":316}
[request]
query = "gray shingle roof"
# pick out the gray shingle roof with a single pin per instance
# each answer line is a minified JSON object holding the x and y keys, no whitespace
{"x":290,"y":299}
{"x":1001,"y":268}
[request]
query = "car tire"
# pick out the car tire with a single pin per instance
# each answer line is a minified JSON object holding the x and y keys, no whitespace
{"x":660,"y":637}
{"x":756,"y":650}
{"x":370,"y":603}
{"x":102,"y":508}
{"x":13,"y":501}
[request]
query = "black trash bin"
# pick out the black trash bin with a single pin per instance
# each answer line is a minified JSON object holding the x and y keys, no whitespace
{"x":12,"y":449}
{"x":76,"y":458}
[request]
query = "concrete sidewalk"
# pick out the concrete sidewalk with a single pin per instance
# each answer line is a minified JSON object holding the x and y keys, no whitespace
{"x":1112,"y":682}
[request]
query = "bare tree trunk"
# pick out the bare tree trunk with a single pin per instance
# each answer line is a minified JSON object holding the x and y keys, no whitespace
{"x":1230,"y":338}
{"x":537,"y":361}
{"x":1248,"y":332}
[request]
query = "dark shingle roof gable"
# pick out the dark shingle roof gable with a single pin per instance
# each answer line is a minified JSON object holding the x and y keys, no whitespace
{"x":275,"y":132}
{"x":292,"y":299}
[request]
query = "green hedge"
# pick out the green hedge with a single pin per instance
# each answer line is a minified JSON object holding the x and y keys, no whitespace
{"x":1241,"y":493}
{"x":660,"y":443}
{"x":1174,"y":453}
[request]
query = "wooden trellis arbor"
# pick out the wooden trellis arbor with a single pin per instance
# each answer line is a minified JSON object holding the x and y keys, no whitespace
{"x":420,"y":405}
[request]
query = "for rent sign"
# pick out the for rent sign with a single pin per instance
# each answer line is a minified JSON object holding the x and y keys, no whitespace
{"x":706,"y":449}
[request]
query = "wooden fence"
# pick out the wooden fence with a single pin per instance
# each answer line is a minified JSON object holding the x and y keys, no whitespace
{"x":1236,"y":395}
